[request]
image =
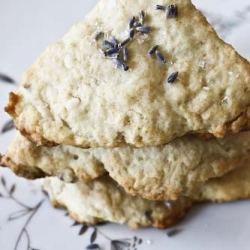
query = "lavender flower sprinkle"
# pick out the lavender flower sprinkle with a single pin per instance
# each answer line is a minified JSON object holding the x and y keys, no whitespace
{"x":173,"y":77}
{"x":118,"y":63}
{"x":171,"y":11}
{"x":113,"y":56}
{"x":111,"y":51}
{"x":137,"y":24}
{"x":131,"y":33}
{"x":114,"y":42}
{"x":160,"y":7}
{"x":98,"y":36}
{"x":143,"y":29}
{"x":152,"y":50}
{"x":131,"y":22}
{"x":160,"y":57}
{"x":124,"y":42}
{"x":142,"y":17}
{"x":107,"y":44}
{"x":125,"y":54}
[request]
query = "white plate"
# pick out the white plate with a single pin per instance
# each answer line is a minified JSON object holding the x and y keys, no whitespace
{"x":26,"y":28}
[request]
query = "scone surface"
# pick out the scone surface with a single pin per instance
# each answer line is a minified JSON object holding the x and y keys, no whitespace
{"x":73,"y":95}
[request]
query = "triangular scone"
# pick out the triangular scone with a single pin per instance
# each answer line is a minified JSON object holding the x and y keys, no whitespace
{"x":73,"y":95}
{"x":104,"y":199}
{"x":232,"y":186}
{"x":163,"y":172}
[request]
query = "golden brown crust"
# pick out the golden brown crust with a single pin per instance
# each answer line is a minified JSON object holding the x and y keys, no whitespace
{"x":37,"y":139}
{"x":32,"y":136}
{"x":10,"y":108}
{"x":22,"y":170}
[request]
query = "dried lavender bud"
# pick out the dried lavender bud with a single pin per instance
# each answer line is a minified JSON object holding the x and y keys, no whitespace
{"x":160,"y":7}
{"x":171,"y":11}
{"x":124,"y":42}
{"x":131,"y":22}
{"x":111,"y":51}
{"x":107,"y":44}
{"x":175,"y":12}
{"x":131,"y":33}
{"x":143,"y":29}
{"x":98,"y":36}
{"x":152,"y":50}
{"x":113,"y":56}
{"x":137,"y":24}
{"x":118,"y":63}
{"x":142,"y":16}
{"x":125,"y":54}
{"x":125,"y":67}
{"x":173,"y":77}
{"x":160,"y":57}
{"x":168,"y":11}
{"x":114,"y":42}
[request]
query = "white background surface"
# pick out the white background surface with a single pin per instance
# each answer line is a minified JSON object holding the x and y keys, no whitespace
{"x":26,"y":27}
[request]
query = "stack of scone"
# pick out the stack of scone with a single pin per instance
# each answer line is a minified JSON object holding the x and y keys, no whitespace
{"x":135,"y":116}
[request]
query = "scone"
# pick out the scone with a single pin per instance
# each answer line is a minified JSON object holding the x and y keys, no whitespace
{"x":103,"y":199}
{"x":82,"y":92}
{"x":164,"y":172}
{"x":232,"y":186}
